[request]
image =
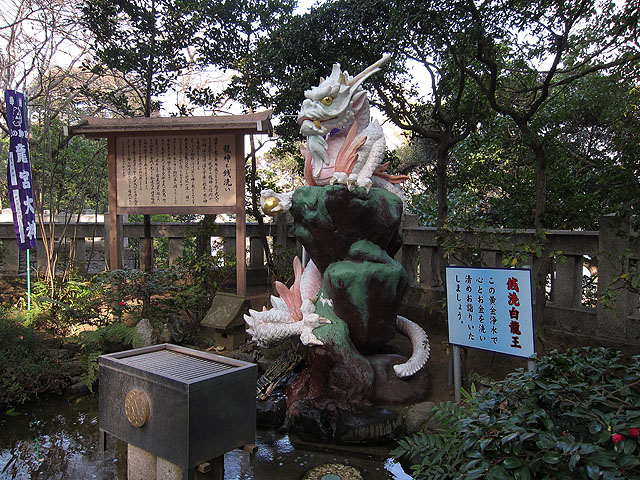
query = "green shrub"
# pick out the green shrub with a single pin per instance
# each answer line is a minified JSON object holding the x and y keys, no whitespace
{"x":26,"y":368}
{"x":96,"y":342}
{"x":576,"y":417}
{"x":58,"y":306}
{"x":184,"y":289}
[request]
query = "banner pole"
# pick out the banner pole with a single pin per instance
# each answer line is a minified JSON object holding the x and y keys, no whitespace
{"x":28,"y":281}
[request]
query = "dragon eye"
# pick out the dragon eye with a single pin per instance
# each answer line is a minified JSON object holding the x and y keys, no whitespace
{"x":327,"y":101}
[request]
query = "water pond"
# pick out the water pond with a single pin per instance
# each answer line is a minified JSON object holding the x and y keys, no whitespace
{"x":57,"y":439}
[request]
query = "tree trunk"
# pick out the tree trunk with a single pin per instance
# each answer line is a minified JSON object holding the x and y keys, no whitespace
{"x":203,"y":237}
{"x":442,"y":160}
{"x":256,"y":210}
{"x":542,"y":265}
{"x":147,"y":244}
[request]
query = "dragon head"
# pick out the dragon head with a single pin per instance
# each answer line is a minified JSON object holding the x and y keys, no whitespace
{"x":331,"y":105}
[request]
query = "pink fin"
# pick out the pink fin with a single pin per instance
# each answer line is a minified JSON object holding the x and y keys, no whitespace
{"x":348,"y":154}
{"x":381,"y":171}
{"x":308,"y":169}
{"x":292,"y":296}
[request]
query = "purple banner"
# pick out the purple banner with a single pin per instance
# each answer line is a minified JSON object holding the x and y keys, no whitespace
{"x":19,"y":171}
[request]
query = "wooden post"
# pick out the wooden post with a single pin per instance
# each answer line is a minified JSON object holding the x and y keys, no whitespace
{"x":241,"y":220}
{"x":112,"y":232}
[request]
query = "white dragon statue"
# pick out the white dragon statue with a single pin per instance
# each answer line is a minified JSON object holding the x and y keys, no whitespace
{"x":293,"y":315}
{"x":344,"y":146}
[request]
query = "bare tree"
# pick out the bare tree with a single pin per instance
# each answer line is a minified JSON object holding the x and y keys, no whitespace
{"x":42,"y":51}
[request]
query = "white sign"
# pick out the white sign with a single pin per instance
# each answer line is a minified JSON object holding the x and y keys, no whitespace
{"x":177,"y":170}
{"x":491,"y":309}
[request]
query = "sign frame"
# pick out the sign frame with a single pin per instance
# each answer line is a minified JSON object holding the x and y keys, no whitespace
{"x":154,"y":127}
{"x":513,"y":309}
{"x":511,"y":288}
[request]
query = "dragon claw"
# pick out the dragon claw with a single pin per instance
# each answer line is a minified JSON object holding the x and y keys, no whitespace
{"x":339,"y":178}
{"x":366,"y":183}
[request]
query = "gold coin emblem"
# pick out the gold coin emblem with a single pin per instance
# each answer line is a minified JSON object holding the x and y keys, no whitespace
{"x":136,"y":408}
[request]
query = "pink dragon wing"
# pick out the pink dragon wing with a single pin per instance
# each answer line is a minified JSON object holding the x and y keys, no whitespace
{"x":348,"y":153}
{"x":291,"y":296}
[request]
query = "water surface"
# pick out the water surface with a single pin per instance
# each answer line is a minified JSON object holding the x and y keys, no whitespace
{"x":57,"y":439}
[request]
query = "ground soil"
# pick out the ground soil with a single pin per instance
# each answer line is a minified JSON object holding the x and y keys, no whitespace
{"x":12,"y":289}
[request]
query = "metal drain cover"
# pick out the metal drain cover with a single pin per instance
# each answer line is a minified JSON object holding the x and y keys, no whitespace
{"x":333,"y":471}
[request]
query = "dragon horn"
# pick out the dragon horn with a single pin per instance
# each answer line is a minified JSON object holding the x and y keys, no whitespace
{"x":335,"y":72}
{"x":367,"y":72}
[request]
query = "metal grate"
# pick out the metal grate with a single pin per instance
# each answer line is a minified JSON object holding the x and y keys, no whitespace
{"x":175,"y":365}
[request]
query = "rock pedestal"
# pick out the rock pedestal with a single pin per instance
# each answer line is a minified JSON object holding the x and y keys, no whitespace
{"x":352,"y":237}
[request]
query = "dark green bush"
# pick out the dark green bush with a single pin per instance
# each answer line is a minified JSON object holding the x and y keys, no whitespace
{"x":184,"y":289}
{"x":576,"y":417}
{"x":26,"y":368}
{"x":96,"y":342}
{"x":58,"y":306}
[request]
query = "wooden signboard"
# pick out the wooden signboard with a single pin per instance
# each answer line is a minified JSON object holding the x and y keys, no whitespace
{"x":186,"y":165}
{"x":185,"y":172}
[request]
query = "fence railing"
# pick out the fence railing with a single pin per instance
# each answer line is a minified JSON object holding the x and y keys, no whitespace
{"x":84,"y":244}
{"x":586,"y":266}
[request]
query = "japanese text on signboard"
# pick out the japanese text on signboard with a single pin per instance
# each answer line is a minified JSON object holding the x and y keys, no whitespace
{"x":188,"y":171}
{"x":491,"y":309}
{"x":19,"y":176}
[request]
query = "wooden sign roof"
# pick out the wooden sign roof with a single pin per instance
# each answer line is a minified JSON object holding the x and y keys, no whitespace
{"x":259,"y":122}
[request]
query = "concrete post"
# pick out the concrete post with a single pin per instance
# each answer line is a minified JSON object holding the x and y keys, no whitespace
{"x":176,"y":249}
{"x":410,"y":261}
{"x":79,"y":253}
{"x":141,"y":465}
{"x":613,"y":242}
{"x":42,"y":257}
{"x":256,"y":253}
{"x":11,"y":258}
{"x":282,"y":230}
{"x":166,"y":470}
{"x":566,"y":282}
{"x":429,"y":274}
{"x":229,"y":245}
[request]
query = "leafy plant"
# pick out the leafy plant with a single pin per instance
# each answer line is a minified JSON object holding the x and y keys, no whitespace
{"x":27,"y":368}
{"x":96,"y":342}
{"x":59,"y":304}
{"x":576,"y":417}
{"x":201,"y":276}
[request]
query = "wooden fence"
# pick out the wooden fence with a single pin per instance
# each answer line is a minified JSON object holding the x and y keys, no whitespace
{"x":572,"y":308}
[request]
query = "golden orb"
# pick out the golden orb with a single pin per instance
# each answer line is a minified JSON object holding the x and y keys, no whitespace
{"x":269,"y":204}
